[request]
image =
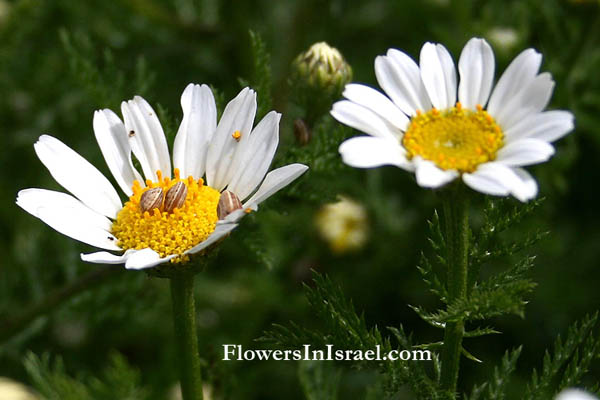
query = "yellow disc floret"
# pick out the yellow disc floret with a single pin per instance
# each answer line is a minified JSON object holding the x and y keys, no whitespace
{"x":168,"y":233}
{"x":454,"y":138}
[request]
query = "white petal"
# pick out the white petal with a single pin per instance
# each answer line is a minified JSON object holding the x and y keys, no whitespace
{"x":104,"y":257}
{"x":146,"y":258}
{"x":363,"y":119}
{"x":499,"y":180}
{"x":146,"y":137}
{"x":529,"y":189}
{"x":237,"y":116}
{"x":69,"y":216}
{"x":196,"y":130}
{"x":476,"y":67}
{"x":439,"y":75}
{"x":235,"y":216}
{"x":485,"y":181}
{"x":370,"y":152}
{"x":521,"y":71}
{"x":219,"y":232}
{"x":112,"y":138}
{"x":575,"y":394}
{"x":274,"y":181}
{"x":376,"y":102}
{"x":430,"y":176}
{"x":525,"y":152}
{"x":548,"y":126}
{"x":400,"y":77}
{"x":530,"y":100}
{"x":78,"y":176}
{"x":252,"y":161}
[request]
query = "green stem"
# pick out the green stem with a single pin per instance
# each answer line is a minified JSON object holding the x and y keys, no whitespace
{"x":186,"y":340}
{"x":456,"y":214}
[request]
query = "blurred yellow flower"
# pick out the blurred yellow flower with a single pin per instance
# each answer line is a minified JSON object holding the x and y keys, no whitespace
{"x":343,"y":225}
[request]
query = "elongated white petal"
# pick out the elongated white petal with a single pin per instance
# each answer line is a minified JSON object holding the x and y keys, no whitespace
{"x":104,"y":257}
{"x":430,"y":176}
{"x":69,"y":216}
{"x":196,"y":130}
{"x":476,"y":67}
{"x":519,"y":74}
{"x":376,"y":102}
{"x":525,"y":152}
{"x":439,"y":75}
{"x":400,"y":77}
{"x":486,"y":182}
{"x":529,"y":189}
{"x":237,"y":116}
{"x":78,"y":176}
{"x":252,"y":161}
{"x":112,"y":138}
{"x":530,"y":100}
{"x":274,"y":181}
{"x":146,"y":137}
{"x":363,"y":119}
{"x":146,"y":258}
{"x":548,"y":126}
{"x":500,"y":180}
{"x":370,"y":152}
{"x":219,"y":232}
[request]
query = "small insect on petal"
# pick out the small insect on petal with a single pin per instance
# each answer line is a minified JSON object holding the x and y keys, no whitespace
{"x":175,"y":196}
{"x":151,"y":199}
{"x":237,"y":135}
{"x":228,"y":203}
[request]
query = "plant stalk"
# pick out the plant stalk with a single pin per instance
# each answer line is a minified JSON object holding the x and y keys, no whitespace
{"x":186,"y":340}
{"x":456,"y":214}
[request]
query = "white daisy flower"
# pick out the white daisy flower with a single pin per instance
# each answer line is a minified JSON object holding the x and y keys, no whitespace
{"x":179,"y":216}
{"x":484,"y":138}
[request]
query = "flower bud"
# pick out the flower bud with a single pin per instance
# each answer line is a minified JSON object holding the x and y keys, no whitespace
{"x":318,"y":78}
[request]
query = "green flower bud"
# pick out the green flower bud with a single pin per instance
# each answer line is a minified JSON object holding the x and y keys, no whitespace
{"x":318,"y":78}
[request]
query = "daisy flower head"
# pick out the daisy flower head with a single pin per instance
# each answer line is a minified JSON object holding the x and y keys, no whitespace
{"x":171,"y":214}
{"x":444,"y":126}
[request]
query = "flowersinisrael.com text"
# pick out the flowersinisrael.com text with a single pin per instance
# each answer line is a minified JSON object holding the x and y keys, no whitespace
{"x":236,"y":352}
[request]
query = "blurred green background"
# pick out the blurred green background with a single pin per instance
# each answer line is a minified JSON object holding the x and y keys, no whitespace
{"x":61,"y":60}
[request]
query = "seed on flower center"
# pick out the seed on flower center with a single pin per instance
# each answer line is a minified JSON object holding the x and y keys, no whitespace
{"x":454,"y":138}
{"x":186,"y":217}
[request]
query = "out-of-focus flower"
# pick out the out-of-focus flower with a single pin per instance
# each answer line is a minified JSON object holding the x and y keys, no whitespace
{"x":167,"y":217}
{"x":343,"y":224}
{"x":575,"y":394}
{"x":484,"y":138}
{"x":11,"y":390}
{"x":504,"y":38}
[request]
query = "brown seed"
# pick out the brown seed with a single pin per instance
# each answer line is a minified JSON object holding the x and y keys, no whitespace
{"x":175,"y":196}
{"x":228,"y":203}
{"x":151,"y":199}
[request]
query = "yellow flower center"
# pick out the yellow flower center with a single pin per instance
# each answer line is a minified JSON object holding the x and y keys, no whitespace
{"x":164,"y":232}
{"x":454,"y":138}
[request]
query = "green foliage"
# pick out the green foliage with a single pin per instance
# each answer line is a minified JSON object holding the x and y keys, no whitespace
{"x":118,"y":381}
{"x":345,"y":329}
{"x":319,"y":380}
{"x":498,"y":384}
{"x":569,"y":361}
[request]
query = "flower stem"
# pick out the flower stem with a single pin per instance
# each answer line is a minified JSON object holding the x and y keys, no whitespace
{"x":456,"y":214}
{"x":186,"y":340}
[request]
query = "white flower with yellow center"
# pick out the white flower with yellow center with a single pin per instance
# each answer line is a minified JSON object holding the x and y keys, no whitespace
{"x":484,"y":138}
{"x":167,"y":217}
